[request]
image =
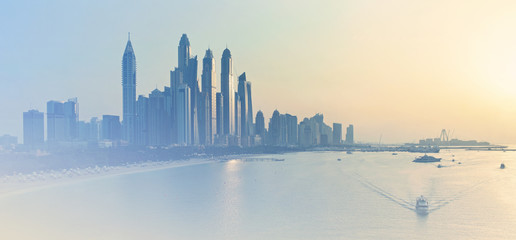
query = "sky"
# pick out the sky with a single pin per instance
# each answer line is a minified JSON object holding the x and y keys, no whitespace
{"x":398,"y":70}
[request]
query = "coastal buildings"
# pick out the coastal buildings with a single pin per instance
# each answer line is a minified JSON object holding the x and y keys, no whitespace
{"x":71,"y":119}
{"x":33,"y":129}
{"x":183,"y":114}
{"x":55,"y":121}
{"x":242,"y":110}
{"x":220,"y":114}
{"x":188,"y":112}
{"x":291,"y":130}
{"x":88,"y":132}
{"x":249,"y":117}
{"x":111,"y":129}
{"x":314,"y":132}
{"x":208,"y":99}
{"x":337,"y":134}
{"x":62,"y":121}
{"x":283,"y":129}
{"x":142,"y":121}
{"x":350,"y":135}
{"x":226,"y":87}
{"x":129,"y":93}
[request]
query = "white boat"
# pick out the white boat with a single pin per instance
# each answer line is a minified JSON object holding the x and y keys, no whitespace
{"x":421,"y":205}
{"x":426,"y":159}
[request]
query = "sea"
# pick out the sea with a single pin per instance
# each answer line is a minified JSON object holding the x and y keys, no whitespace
{"x":302,"y":195}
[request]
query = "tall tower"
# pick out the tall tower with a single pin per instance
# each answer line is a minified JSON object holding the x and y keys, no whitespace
{"x":226,"y":88}
{"x":33,"y":128}
{"x":209,"y":89}
{"x":249,"y":109}
{"x":242,"y":89}
{"x":260,"y":124}
{"x":183,"y":51}
{"x":129,"y":92}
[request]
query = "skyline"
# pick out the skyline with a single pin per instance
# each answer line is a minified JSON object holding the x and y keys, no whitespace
{"x":361,"y":87}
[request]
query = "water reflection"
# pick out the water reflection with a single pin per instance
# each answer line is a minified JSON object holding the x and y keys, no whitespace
{"x":231,"y":197}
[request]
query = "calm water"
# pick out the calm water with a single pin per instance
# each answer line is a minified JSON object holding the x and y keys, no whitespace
{"x":307,"y":196}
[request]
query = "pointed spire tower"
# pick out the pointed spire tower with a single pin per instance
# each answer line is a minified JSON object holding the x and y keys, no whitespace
{"x":183,"y":52}
{"x":129,"y":92}
{"x":226,"y":88}
{"x":209,"y":91}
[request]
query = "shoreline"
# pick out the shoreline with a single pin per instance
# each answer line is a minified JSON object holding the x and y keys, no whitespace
{"x":20,"y":183}
{"x":23,"y":183}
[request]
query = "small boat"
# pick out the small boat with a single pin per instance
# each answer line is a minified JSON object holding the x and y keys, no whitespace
{"x":422,"y":205}
{"x":426,"y":158}
{"x":502,"y":166}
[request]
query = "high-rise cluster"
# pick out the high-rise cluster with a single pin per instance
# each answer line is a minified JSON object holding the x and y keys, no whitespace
{"x":189,"y":113}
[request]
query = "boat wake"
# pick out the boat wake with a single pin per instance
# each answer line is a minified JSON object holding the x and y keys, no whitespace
{"x":389,"y":196}
{"x":438,"y":204}
{"x":434,"y":204}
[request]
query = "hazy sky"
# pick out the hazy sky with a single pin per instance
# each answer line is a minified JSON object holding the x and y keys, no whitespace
{"x":401,"y":69}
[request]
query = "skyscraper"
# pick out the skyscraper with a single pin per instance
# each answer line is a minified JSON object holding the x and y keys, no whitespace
{"x":183,"y":115}
{"x":55,"y":121}
{"x":33,"y":128}
{"x":292,"y":127}
{"x":209,"y":89}
{"x":242,"y":89}
{"x":220,"y":113}
{"x":337,"y":133}
{"x":193,"y":84}
{"x":237,"y":121}
{"x":274,"y":133}
{"x":226,"y":88}
{"x":176,"y":80}
{"x":183,"y":52}
{"x":129,"y":92}
{"x":94,"y":134}
{"x":111,"y":129}
{"x":260,"y":124}
{"x":305,"y":133}
{"x":249,"y":109}
{"x":186,"y":73}
{"x":156,"y":119}
{"x":350,"y":135}
{"x":71,"y":119}
{"x":142,"y":131}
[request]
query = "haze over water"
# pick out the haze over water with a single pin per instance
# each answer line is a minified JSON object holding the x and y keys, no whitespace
{"x":310,"y":195}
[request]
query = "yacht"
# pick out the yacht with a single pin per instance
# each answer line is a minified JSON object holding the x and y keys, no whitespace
{"x":426,"y":158}
{"x":421,"y":205}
